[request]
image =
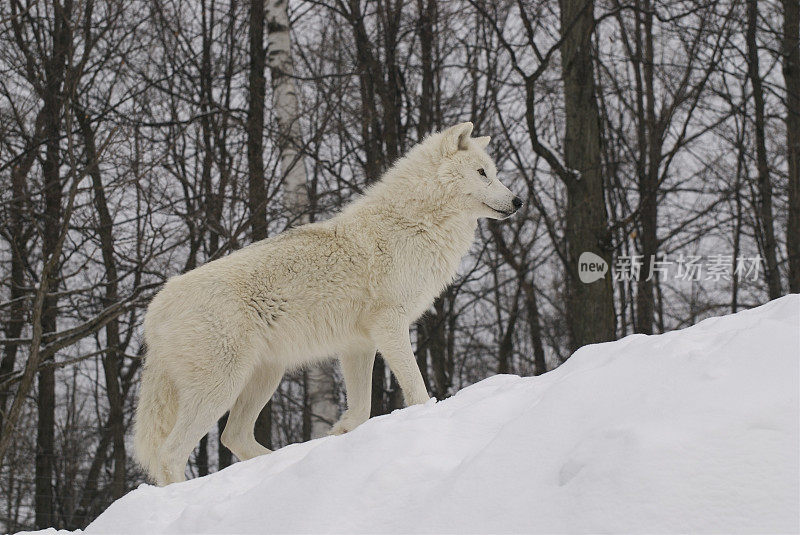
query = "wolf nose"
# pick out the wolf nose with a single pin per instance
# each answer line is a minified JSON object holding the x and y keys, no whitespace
{"x":517,"y":202}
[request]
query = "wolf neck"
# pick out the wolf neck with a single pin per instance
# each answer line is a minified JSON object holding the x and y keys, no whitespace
{"x":409,"y":199}
{"x":425,"y":226}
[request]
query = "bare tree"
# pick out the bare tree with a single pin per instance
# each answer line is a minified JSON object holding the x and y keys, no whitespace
{"x":112,"y":358}
{"x":590,"y":306}
{"x":766,"y":226}
{"x":791,"y":75}
{"x":49,"y":72}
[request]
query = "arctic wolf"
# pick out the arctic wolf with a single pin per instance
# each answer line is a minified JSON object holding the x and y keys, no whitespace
{"x":220,"y":337}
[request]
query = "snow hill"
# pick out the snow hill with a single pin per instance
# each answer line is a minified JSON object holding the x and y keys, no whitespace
{"x":690,"y":431}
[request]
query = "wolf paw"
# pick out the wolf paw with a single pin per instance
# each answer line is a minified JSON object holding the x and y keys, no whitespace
{"x":339,"y":428}
{"x":345,"y":424}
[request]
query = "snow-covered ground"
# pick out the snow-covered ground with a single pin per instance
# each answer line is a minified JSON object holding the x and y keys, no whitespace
{"x":690,"y":431}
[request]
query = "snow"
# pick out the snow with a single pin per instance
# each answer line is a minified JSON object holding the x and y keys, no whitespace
{"x":691,"y":431}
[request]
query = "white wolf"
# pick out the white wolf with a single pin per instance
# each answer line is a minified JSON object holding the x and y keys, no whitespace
{"x":220,"y":337}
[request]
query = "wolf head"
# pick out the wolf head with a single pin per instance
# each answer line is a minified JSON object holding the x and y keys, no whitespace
{"x":466,"y":169}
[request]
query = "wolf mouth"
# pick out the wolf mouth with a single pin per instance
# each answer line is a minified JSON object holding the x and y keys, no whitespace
{"x":503,"y":212}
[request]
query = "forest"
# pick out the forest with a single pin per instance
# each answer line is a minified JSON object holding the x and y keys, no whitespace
{"x":656,"y":145}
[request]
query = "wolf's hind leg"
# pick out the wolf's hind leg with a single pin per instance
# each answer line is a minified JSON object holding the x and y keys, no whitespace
{"x":197,"y":413}
{"x":238,"y":435}
{"x":356,"y":365}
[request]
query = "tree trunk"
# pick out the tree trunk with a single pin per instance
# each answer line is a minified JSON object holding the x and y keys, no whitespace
{"x":741,"y":171}
{"x":769,"y":245}
{"x":377,"y":405}
{"x":224,"y":455}
{"x":257,"y":198}
{"x":590,"y":307}
{"x":532,"y":304}
{"x":112,"y":359}
{"x":791,"y":74}
{"x":649,"y":160}
{"x":427,"y":13}
{"x":505,"y":350}
{"x":422,"y":352}
{"x":45,"y":401}
{"x":202,"y":457}
{"x":437,"y":345}
{"x":55,"y":68}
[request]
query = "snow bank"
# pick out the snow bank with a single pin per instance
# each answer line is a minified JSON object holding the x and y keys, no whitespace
{"x":690,"y":431}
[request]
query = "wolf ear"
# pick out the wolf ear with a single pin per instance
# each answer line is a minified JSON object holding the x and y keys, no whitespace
{"x":457,"y":138}
{"x":482,"y":142}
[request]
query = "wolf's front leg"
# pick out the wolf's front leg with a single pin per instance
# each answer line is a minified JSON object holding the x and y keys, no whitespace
{"x":390,"y":333}
{"x":356,"y":365}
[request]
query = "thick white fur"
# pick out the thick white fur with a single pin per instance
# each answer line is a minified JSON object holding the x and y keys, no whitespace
{"x":220,"y":337}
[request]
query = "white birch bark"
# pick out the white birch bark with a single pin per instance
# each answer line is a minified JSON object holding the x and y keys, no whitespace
{"x":322,"y":392}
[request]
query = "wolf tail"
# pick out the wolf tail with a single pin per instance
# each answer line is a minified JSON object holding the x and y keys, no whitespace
{"x":155,"y":416}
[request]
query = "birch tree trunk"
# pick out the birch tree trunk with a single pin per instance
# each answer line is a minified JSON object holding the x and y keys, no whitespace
{"x":321,"y":382}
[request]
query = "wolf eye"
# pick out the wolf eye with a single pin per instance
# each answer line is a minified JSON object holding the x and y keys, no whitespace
{"x":481,"y":172}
